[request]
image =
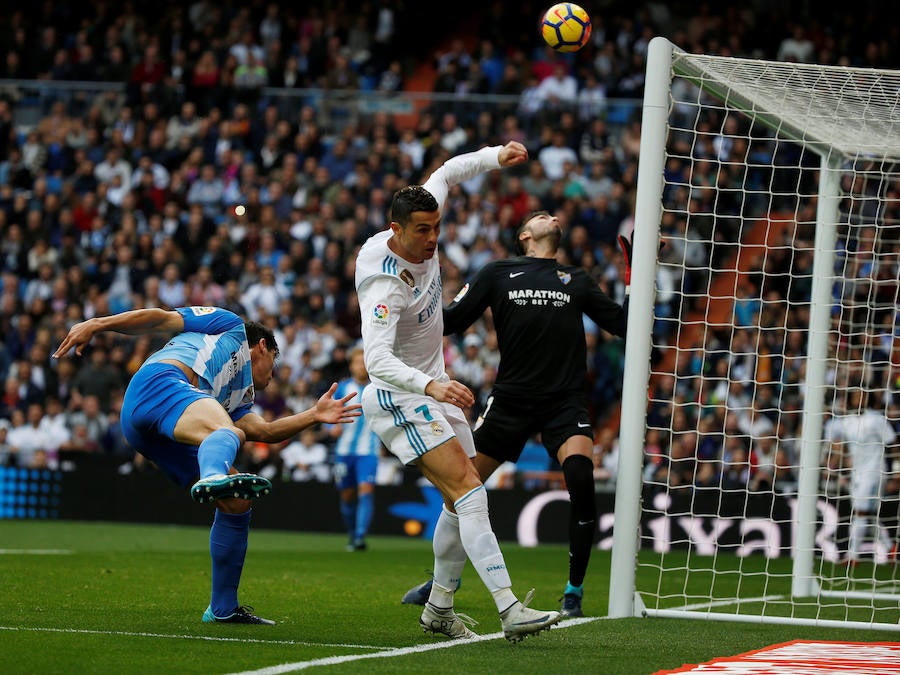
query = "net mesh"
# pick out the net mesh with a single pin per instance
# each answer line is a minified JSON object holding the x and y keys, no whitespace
{"x":730,"y":341}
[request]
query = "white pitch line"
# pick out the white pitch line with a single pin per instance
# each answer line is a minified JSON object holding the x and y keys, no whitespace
{"x":209,"y":638}
{"x":335,"y":660}
{"x":35,"y":551}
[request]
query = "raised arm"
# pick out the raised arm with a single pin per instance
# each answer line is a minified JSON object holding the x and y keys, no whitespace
{"x":470,"y":164}
{"x":135,"y":322}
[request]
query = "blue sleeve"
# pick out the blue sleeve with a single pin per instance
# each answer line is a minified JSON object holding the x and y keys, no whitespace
{"x":240,"y":412}
{"x":209,"y":320}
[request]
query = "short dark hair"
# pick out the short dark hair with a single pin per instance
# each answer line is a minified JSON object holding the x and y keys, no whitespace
{"x":520,"y":247}
{"x":256,"y":332}
{"x":410,"y":199}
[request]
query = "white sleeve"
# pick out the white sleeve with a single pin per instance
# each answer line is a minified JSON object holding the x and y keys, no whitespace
{"x":888,"y":435}
{"x":382,"y":299}
{"x":460,"y":169}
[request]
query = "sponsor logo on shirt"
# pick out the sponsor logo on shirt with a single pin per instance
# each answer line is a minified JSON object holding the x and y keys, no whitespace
{"x":380,"y":314}
{"x":462,"y":293}
{"x":530,"y":296}
{"x":434,"y":292}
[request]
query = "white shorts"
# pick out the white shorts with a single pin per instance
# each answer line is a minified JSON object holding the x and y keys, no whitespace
{"x":865,"y":490}
{"x":410,"y":425}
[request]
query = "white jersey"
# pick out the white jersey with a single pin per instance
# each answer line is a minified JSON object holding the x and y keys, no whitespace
{"x":866,"y":435}
{"x":401,"y":302}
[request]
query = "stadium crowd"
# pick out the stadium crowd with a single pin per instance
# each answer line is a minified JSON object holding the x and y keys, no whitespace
{"x":124,"y":198}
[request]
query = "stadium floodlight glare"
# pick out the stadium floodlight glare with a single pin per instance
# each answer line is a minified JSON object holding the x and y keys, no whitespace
{"x":776,"y":188}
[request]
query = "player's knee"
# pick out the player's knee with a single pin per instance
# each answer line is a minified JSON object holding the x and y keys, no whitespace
{"x":242,"y":437}
{"x":579,"y":473}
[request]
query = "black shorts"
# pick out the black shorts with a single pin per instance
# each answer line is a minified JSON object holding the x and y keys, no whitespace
{"x":508,"y":422}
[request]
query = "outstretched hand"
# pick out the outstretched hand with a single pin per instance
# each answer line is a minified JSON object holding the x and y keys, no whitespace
{"x":330,"y":410}
{"x":78,"y":337}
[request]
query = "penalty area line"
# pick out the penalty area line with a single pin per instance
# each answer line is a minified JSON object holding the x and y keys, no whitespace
{"x":35,"y":551}
{"x":208,"y":638}
{"x":389,"y":653}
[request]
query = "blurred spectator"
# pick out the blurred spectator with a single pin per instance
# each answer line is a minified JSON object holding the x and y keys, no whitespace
{"x":306,"y":458}
{"x":263,"y":295}
{"x":5,"y":447}
{"x":797,"y":46}
{"x":558,"y":91}
{"x":554,"y":156}
{"x":26,"y":437}
{"x":98,"y":377}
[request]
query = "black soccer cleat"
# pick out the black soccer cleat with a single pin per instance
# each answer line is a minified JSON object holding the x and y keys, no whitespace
{"x":571,"y":606}
{"x":418,"y":595}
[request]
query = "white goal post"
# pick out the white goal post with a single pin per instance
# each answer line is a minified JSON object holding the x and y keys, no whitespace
{"x":749,"y":487}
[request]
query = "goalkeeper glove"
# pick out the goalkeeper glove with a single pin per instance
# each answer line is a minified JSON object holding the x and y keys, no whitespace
{"x":625,"y":245}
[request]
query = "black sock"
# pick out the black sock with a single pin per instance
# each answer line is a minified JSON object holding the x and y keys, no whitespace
{"x":579,"y":473}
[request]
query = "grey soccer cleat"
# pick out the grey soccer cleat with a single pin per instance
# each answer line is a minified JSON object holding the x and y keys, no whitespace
{"x":519,"y":621}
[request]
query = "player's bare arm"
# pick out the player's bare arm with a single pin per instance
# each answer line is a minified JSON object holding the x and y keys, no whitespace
{"x":134,"y":322}
{"x":328,"y":410}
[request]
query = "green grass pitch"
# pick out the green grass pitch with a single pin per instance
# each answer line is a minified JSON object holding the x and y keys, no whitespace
{"x":110,"y":598}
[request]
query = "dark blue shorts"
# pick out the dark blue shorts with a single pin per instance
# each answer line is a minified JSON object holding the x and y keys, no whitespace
{"x":351,"y":470}
{"x":154,"y":401}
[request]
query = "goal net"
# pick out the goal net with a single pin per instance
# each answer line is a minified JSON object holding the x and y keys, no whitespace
{"x":758,"y":475}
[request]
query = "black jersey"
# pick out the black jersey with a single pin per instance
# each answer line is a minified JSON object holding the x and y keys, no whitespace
{"x":537,"y":306}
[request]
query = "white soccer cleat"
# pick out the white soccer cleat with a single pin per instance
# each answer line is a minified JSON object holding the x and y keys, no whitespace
{"x":446,"y":622}
{"x":520,"y":621}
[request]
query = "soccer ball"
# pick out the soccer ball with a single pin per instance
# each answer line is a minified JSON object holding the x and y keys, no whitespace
{"x":566,"y":27}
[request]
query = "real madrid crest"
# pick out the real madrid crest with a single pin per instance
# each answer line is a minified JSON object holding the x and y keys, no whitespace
{"x":436,"y":428}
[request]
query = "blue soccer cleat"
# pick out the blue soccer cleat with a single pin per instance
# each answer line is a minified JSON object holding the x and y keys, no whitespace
{"x":239,"y":615}
{"x":222,"y":486}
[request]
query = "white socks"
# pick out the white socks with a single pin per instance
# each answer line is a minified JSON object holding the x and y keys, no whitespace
{"x":449,"y":559}
{"x":481,"y":546}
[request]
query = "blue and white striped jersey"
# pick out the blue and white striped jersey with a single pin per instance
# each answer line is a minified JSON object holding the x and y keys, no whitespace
{"x":214,"y":345}
{"x":356,"y":439}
